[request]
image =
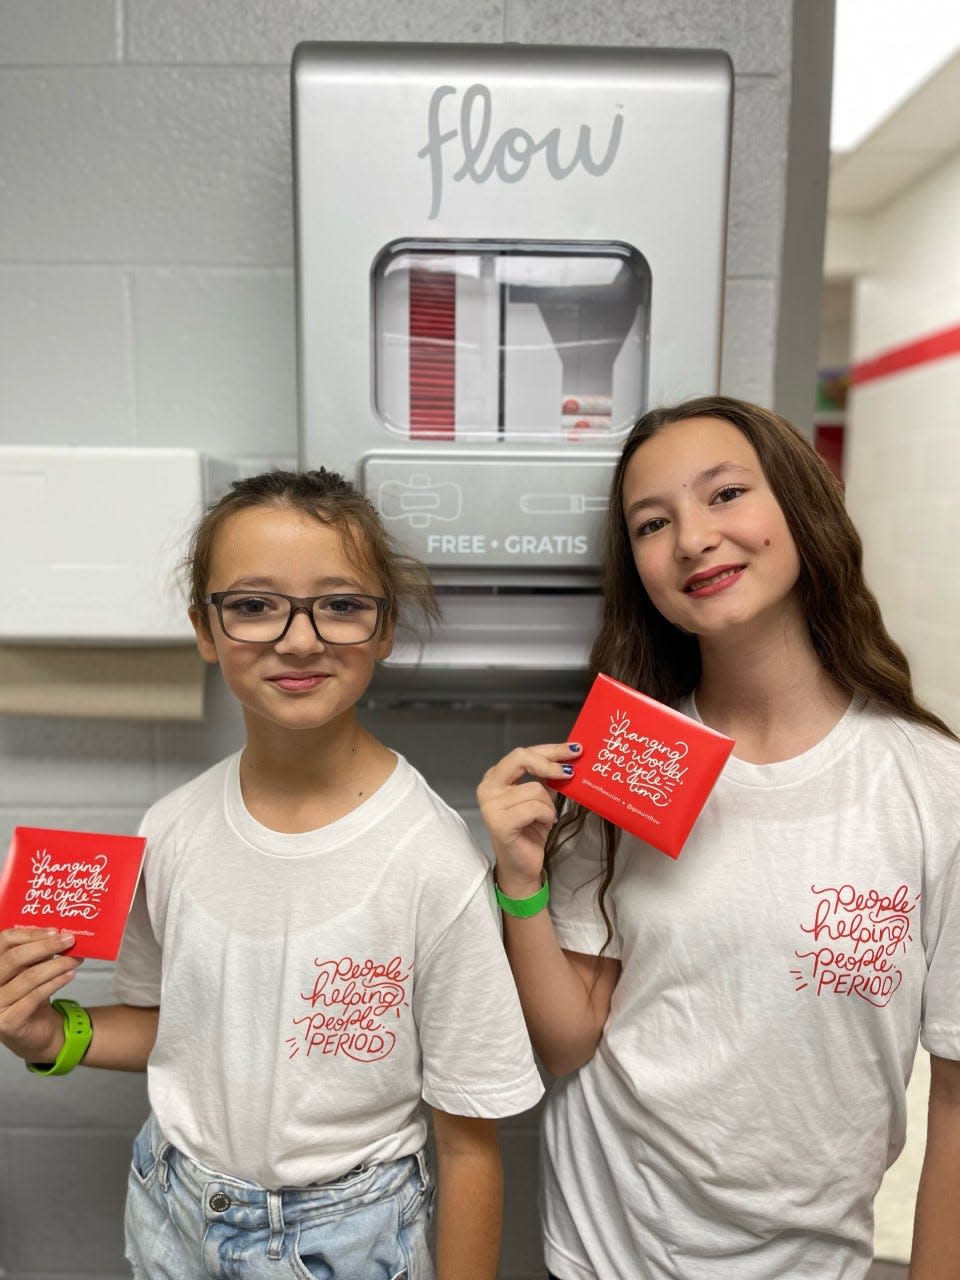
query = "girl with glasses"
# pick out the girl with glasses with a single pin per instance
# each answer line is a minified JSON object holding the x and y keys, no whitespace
{"x":732,"y":1033}
{"x":311,"y":962}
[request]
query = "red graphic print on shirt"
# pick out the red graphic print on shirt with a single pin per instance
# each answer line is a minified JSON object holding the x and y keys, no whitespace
{"x":858,"y":937}
{"x":351,"y":1008}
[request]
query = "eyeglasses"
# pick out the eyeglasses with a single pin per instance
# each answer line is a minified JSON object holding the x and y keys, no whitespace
{"x":263,"y":617}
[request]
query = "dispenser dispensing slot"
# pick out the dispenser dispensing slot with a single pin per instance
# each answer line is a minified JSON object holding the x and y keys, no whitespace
{"x":510,"y":340}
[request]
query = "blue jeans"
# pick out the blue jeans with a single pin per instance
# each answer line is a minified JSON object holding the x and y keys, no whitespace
{"x":185,"y":1221}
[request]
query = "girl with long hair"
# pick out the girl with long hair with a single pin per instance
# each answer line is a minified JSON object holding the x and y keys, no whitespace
{"x":732,"y":1033}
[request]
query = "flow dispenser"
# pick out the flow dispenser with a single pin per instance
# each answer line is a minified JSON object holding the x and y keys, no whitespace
{"x":504,"y":255}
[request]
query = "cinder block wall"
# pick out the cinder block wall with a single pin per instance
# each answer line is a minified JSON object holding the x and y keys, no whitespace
{"x":146,"y":297}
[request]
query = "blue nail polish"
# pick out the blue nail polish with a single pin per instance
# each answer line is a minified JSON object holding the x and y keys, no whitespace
{"x":574,"y":746}
{"x":567,"y":768}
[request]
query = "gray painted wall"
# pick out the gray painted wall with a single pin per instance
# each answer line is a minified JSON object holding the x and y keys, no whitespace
{"x":146,"y":297}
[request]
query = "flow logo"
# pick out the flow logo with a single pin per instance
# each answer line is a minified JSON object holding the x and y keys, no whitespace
{"x":508,"y":156}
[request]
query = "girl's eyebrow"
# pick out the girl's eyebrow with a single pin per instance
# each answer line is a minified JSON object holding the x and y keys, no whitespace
{"x":324,"y":584}
{"x":703,"y":477}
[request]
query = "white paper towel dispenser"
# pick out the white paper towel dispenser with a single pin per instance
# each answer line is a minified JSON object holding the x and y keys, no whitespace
{"x":93,"y":539}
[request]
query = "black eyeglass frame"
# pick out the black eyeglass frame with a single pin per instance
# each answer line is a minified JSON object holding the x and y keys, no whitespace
{"x":298,"y":604}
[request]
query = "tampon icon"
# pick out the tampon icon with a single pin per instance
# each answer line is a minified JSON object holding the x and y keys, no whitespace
{"x":560,"y":504}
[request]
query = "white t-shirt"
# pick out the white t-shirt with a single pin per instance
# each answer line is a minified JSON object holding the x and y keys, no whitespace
{"x":748,"y":1091}
{"x":315,"y":989}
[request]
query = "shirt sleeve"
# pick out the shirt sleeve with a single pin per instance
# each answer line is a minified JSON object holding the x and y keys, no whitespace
{"x":477,"y":1059}
{"x":933,"y":778}
{"x":940,"y":1021}
{"x":137,"y":975}
{"x":576,"y":873}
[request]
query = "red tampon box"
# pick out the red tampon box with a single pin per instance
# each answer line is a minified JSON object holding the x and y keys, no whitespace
{"x":644,"y":766}
{"x":79,"y":882}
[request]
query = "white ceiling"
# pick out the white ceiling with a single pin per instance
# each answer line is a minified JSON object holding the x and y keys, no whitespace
{"x":913,"y":139}
{"x":883,"y":50}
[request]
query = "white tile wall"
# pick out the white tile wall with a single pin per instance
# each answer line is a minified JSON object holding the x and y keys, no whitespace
{"x":911,"y":286}
{"x":146,"y":296}
{"x":58,"y":1193}
{"x":758,"y":169}
{"x":148,"y":165}
{"x":65,"y":356}
{"x":49,"y":762}
{"x":50,"y":32}
{"x":749,"y":339}
{"x":214,"y":358}
{"x":755,"y":33}
{"x":265,"y":31}
{"x":903,"y":451}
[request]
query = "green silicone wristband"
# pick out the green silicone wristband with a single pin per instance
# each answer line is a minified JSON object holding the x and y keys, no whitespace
{"x":523,"y":908}
{"x":77,"y":1034}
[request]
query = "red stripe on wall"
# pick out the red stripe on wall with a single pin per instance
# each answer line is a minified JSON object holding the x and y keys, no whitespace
{"x":934,"y":347}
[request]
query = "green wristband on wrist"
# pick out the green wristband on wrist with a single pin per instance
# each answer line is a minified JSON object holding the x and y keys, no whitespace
{"x":77,"y":1034}
{"x":523,"y":908}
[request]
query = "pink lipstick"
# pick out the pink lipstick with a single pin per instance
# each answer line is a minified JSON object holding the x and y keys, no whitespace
{"x":711,"y":581}
{"x":294,"y":682}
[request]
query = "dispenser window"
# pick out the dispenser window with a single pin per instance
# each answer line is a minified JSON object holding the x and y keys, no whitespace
{"x":510,"y":340}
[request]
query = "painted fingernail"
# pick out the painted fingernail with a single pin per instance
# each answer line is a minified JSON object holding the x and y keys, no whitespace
{"x":574,"y":746}
{"x":567,"y":769}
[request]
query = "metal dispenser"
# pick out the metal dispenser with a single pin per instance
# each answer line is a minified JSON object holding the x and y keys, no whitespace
{"x":504,"y":254}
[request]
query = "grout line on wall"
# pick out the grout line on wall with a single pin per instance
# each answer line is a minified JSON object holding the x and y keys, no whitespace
{"x":179,"y":267}
{"x":123,"y":63}
{"x":129,"y":325}
{"x":175,"y":64}
{"x":41,"y":68}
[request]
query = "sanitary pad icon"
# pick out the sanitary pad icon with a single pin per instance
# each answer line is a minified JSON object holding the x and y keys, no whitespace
{"x":420,"y":501}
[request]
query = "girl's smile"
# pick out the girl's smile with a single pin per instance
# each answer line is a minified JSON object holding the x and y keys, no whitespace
{"x":710,"y":581}
{"x":298,"y":682}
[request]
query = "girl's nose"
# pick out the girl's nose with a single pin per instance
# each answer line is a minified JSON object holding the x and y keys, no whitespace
{"x":696,"y":532}
{"x":301,"y":635}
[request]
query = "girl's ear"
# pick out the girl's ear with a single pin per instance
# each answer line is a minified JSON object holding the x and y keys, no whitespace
{"x":208,"y":650}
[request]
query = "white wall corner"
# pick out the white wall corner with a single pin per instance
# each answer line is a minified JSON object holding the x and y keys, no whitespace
{"x":848,"y":251}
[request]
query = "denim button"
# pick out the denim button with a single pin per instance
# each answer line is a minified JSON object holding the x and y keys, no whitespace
{"x":219,"y":1202}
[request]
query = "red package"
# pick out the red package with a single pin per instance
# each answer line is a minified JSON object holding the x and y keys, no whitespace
{"x":644,"y":766}
{"x":79,"y":882}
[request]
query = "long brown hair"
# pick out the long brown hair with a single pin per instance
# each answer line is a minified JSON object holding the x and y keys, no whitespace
{"x":330,"y":499}
{"x":638,"y":646}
